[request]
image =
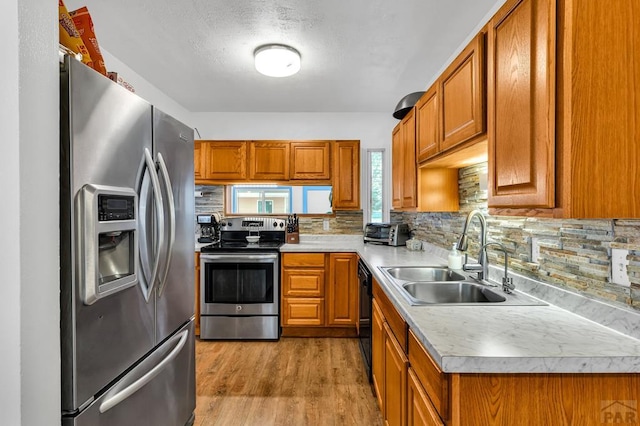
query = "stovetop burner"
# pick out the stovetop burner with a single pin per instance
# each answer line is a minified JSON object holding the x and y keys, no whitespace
{"x":241,"y":246}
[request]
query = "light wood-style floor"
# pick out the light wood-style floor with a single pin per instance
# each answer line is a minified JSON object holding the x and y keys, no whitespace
{"x":295,"y":381}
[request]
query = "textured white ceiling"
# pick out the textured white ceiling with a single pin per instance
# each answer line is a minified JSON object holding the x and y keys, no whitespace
{"x":357,"y":55}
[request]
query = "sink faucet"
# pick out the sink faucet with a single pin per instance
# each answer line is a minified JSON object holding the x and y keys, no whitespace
{"x":507,"y":283}
{"x":482,"y":267}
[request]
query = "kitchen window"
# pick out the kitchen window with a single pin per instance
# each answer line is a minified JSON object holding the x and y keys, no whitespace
{"x":375,"y":186}
{"x":250,"y":199}
{"x":260,"y":199}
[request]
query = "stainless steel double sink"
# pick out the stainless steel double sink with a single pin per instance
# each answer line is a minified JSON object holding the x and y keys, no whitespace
{"x":434,"y":285}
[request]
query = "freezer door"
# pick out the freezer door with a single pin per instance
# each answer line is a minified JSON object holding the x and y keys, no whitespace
{"x":104,"y":132}
{"x":173,"y":150}
{"x":160,"y":391}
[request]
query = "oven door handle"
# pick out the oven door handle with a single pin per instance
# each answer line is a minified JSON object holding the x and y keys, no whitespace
{"x":239,"y":258}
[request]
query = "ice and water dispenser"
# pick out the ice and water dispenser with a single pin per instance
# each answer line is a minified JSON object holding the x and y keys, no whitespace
{"x":108,"y":240}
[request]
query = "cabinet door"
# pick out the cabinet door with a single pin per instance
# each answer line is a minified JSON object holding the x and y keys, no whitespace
{"x":409,"y":180}
{"x":521,"y":105}
{"x":427,"y":129}
{"x":225,"y":160}
{"x":199,"y":155}
{"x":346,"y":175}
{"x":377,"y":353}
{"x":310,"y":160}
{"x":463,"y":94}
{"x":342,"y":294}
{"x":420,"y":412}
{"x":269,"y":160}
{"x":395,"y":381}
{"x":397,"y":166}
{"x":300,"y":311}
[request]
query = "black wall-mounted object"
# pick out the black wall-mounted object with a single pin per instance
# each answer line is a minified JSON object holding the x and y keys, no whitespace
{"x":406,"y":104}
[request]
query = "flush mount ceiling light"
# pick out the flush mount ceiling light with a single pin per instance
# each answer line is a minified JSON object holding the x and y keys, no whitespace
{"x":277,"y":60}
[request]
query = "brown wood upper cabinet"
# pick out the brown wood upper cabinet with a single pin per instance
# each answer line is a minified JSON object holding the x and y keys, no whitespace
{"x":428,"y":130}
{"x":226,"y":160}
{"x":463,"y":90}
{"x":269,"y":160}
{"x":310,"y":160}
{"x":335,"y":163}
{"x":521,"y":96}
{"x":563,"y":115}
{"x":198,"y":159}
{"x":452,"y":111}
{"x":346,"y":175}
{"x":403,"y":153}
{"x":397,"y":164}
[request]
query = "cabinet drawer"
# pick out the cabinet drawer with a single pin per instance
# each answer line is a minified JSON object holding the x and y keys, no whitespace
{"x":435,"y":382}
{"x":298,"y":311}
{"x":420,"y":411}
{"x":395,"y":320}
{"x":303,"y":259}
{"x":303,"y":282}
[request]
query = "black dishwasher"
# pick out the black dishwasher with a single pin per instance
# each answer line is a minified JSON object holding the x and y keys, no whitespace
{"x":364,"y":332}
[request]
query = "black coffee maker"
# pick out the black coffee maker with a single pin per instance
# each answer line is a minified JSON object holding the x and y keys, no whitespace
{"x":209,"y":228}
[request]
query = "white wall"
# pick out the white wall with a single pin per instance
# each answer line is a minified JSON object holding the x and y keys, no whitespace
{"x":146,"y":90}
{"x":10,"y":390}
{"x":372,"y":129}
{"x":29,"y":290}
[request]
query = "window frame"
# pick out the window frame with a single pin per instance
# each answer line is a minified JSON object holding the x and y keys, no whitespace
{"x":369,"y":185}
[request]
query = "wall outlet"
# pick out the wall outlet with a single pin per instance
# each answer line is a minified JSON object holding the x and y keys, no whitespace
{"x":535,"y":249}
{"x":619,"y":264}
{"x":325,"y":224}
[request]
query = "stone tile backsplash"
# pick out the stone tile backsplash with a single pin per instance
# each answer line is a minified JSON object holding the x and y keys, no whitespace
{"x":572,"y":254}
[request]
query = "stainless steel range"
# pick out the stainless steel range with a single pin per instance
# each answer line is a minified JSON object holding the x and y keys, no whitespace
{"x":240,"y":280}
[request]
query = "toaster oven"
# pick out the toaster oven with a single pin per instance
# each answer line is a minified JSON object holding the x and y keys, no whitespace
{"x":391,"y":234}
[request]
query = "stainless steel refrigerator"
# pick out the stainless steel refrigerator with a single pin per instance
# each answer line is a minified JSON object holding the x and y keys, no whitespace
{"x":126,"y":253}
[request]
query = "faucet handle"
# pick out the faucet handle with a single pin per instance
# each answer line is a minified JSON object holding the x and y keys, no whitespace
{"x":507,"y":285}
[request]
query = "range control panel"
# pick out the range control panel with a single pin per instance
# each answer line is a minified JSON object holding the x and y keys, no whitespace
{"x":252,"y":224}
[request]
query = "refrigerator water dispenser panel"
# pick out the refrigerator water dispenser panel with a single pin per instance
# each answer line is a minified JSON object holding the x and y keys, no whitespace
{"x":108,"y":240}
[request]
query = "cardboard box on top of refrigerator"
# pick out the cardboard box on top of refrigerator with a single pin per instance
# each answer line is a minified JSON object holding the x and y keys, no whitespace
{"x":69,"y":35}
{"x":84,"y":24}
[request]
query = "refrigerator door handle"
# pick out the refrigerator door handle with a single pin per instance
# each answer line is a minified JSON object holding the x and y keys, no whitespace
{"x":112,"y":401}
{"x":172,"y":222}
{"x":147,"y":290}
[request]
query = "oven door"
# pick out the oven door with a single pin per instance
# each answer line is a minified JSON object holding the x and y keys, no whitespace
{"x":239,"y":284}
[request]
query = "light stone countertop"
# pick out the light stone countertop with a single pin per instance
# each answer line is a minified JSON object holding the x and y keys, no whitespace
{"x":496,"y":338}
{"x":200,"y":245}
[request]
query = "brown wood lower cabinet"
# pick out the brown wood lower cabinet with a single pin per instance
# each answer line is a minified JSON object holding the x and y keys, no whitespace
{"x":319,"y":294}
{"x":420,"y":410}
{"x":301,"y":311}
{"x":377,"y":353}
{"x":395,"y":380}
{"x":415,"y":391}
{"x":389,"y":360}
